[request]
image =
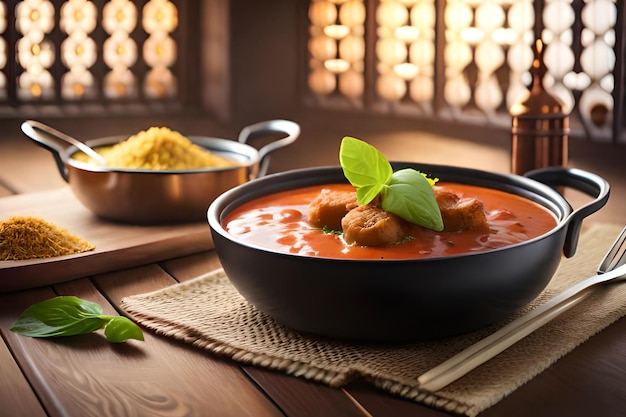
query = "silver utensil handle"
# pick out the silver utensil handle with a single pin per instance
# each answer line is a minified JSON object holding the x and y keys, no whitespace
{"x":494,"y":344}
{"x":47,"y":135}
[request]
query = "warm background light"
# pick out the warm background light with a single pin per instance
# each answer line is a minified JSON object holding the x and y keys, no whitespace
{"x":483,"y":60}
{"x":38,"y":47}
{"x":405,"y":51}
{"x":337,"y":48}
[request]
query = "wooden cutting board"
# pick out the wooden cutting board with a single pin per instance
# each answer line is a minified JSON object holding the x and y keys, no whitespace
{"x":118,"y":246}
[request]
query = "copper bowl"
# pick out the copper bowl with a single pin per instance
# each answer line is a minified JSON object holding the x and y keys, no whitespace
{"x":155,"y":197}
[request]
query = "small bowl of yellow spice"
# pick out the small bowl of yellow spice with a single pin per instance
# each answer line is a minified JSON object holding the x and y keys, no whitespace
{"x":159,"y":176}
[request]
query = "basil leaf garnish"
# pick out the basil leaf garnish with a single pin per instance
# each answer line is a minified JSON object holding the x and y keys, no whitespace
{"x":406,"y":193}
{"x":410,"y":196}
{"x":365,"y":167}
{"x":70,"y":315}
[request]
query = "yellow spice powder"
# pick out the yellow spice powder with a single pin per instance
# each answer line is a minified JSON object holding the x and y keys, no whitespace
{"x":23,"y":237}
{"x":160,"y":148}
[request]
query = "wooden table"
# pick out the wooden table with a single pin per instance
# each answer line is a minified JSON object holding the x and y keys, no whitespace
{"x":86,"y":376}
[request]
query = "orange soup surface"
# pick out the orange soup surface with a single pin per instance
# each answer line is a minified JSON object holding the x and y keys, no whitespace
{"x":279,"y":222}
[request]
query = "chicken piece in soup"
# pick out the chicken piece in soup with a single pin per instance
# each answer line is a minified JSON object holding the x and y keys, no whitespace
{"x":329,"y":207}
{"x":372,"y":226}
{"x":460,"y":213}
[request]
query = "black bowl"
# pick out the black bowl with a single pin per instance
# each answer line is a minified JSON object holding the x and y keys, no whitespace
{"x":403,"y":300}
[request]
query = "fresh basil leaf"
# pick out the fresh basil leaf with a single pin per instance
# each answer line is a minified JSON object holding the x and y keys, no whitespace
{"x":406,"y":193}
{"x":365,"y":167}
{"x":368,"y":193}
{"x":34,"y":327}
{"x":410,"y":195}
{"x":61,"y":316}
{"x":57,"y":309}
{"x":120,"y":329}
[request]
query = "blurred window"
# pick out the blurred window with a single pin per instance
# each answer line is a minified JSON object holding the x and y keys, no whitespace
{"x":467,"y":61}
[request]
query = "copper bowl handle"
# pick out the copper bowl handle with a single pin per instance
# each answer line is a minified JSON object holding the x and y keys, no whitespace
{"x":291,"y":129}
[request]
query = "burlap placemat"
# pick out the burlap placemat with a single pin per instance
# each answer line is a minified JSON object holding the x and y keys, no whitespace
{"x":210,"y":314}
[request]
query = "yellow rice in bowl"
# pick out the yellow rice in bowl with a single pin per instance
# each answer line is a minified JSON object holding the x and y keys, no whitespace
{"x":158,"y":148}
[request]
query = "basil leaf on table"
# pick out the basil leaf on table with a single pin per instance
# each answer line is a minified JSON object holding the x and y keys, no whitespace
{"x":69,"y":316}
{"x":406,"y":193}
{"x":120,"y":329}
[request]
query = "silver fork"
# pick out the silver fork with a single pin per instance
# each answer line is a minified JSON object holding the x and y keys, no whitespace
{"x":611,"y":268}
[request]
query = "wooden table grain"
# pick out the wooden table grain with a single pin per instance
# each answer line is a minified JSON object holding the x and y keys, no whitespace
{"x":86,"y":376}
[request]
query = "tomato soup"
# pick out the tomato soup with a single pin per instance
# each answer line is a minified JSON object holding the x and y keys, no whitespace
{"x":279,"y":222}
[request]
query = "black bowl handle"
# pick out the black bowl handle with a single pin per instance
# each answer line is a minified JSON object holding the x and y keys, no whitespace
{"x":291,"y":129}
{"x":583,"y":181}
